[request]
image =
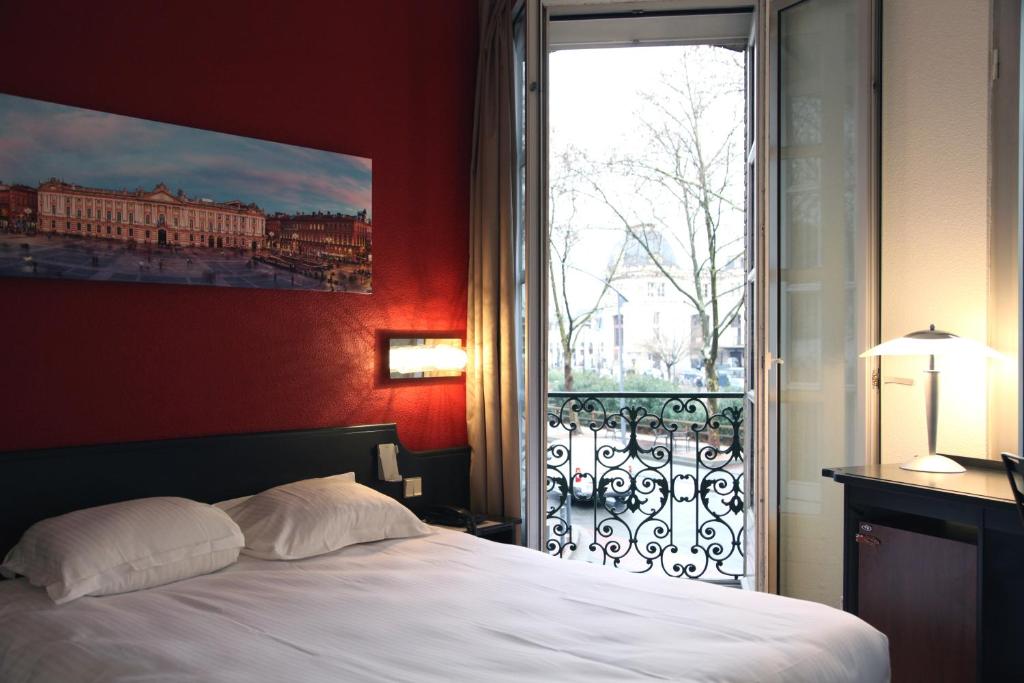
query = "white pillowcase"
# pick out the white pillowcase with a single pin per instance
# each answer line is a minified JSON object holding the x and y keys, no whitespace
{"x":317,"y":516}
{"x":230,"y":504}
{"x":124,"y":547}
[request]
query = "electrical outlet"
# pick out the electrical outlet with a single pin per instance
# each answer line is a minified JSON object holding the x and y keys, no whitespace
{"x":413,"y":487}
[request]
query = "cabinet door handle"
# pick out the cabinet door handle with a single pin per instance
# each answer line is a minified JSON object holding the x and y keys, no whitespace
{"x":867,"y":539}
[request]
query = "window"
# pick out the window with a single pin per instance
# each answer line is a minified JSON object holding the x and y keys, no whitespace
{"x":131,"y":217}
{"x":108,"y":215}
{"x":118,"y":216}
{"x":147,"y":234}
{"x":119,"y":230}
{"x":131,"y":232}
{"x":656,"y":290}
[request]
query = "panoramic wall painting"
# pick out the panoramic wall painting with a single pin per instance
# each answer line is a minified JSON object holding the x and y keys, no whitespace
{"x":91,"y":196}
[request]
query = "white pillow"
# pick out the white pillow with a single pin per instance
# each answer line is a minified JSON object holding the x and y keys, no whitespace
{"x":124,"y":547}
{"x":317,"y":516}
{"x":230,"y":504}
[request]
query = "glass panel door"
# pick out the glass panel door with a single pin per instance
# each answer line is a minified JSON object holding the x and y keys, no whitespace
{"x":752,"y":576}
{"x":646,"y":288}
{"x":823,"y":285}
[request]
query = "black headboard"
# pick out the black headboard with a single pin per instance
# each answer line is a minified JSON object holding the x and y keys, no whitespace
{"x":38,"y":484}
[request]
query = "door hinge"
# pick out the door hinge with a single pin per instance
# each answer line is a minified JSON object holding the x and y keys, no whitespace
{"x":876,"y":378}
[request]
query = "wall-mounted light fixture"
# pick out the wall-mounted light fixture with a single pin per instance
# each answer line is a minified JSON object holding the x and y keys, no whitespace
{"x":424,"y":357}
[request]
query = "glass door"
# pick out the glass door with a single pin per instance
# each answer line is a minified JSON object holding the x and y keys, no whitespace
{"x":647,"y":164}
{"x":823,"y":280}
{"x":753,"y":574}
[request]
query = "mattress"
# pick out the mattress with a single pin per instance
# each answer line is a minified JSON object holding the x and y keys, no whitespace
{"x":443,"y":607}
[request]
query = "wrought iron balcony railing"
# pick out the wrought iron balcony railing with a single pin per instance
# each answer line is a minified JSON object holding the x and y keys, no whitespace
{"x":647,"y":482}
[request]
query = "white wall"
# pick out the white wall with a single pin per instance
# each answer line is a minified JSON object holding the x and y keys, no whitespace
{"x":935,"y":108}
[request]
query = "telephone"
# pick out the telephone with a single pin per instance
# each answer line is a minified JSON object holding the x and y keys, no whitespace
{"x":452,"y":515}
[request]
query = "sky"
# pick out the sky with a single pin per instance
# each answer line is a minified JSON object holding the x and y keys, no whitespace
{"x":39,"y":140}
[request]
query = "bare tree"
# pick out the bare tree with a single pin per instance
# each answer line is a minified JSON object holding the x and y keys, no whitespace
{"x":688,"y":179}
{"x":568,"y":253}
{"x":668,"y":350}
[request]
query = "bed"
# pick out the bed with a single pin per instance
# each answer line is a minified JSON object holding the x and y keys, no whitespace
{"x":440,"y":607}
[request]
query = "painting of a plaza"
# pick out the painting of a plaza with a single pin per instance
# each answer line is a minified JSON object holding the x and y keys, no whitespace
{"x":88,"y":196}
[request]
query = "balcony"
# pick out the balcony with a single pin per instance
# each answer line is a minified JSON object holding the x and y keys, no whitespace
{"x":647,"y":482}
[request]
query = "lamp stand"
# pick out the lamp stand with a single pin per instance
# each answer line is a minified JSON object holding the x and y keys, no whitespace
{"x":933,"y":462}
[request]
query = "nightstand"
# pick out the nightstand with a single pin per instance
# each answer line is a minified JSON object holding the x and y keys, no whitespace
{"x":497,"y":529}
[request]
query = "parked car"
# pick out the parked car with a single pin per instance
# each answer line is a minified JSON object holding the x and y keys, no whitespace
{"x":692,"y":378}
{"x":695,"y":378}
{"x":583,"y":491}
{"x":736,"y":375}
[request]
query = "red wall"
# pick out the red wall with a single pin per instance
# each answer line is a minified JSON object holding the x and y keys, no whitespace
{"x":87,"y":362}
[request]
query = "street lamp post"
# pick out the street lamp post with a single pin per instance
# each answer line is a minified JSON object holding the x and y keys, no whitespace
{"x":621,"y":333}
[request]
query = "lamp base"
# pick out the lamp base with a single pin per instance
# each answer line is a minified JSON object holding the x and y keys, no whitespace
{"x":933,"y":463}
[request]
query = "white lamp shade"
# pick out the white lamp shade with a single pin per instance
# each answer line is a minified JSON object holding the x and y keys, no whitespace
{"x":931,"y":342}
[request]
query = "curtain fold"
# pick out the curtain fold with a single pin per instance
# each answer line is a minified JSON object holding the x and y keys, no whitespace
{"x":492,"y":397}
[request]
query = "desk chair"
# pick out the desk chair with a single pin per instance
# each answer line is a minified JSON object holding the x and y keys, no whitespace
{"x":1015,"y":472}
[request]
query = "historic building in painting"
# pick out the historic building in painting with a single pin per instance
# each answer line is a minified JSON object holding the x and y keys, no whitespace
{"x":17,"y":207}
{"x":156,"y":217}
{"x":322,"y":236}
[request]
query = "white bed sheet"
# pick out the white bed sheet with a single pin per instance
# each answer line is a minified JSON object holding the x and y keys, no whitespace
{"x":444,"y":607}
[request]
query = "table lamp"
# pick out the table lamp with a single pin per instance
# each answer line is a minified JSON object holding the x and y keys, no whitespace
{"x":931,"y":343}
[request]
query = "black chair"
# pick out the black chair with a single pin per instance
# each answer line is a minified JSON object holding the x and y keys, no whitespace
{"x":1015,"y":472}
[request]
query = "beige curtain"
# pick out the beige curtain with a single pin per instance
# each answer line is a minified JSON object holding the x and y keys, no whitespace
{"x":492,"y":401}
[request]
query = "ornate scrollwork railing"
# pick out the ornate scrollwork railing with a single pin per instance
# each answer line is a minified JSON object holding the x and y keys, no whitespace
{"x":647,"y":482}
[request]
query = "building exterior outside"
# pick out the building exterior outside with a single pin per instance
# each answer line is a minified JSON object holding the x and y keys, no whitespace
{"x":155,"y":217}
{"x":17,"y":207}
{"x":322,"y":236}
{"x":660,"y":333}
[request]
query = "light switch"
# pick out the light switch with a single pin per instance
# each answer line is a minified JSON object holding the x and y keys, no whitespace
{"x":413,"y":487}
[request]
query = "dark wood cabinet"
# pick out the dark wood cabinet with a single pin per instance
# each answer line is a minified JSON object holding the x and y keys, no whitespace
{"x":921,"y":591}
{"x":936,"y":562}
